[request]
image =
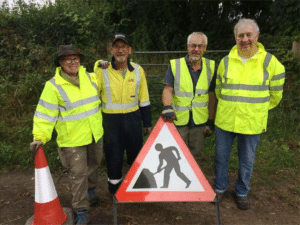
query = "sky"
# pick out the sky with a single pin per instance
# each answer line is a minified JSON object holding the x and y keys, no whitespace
{"x":12,"y":2}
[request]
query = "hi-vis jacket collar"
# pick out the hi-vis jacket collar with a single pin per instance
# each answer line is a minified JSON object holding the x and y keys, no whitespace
{"x":234,"y":51}
{"x":130,"y":67}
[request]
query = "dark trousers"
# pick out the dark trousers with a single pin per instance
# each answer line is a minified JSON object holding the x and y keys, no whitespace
{"x":121,"y":131}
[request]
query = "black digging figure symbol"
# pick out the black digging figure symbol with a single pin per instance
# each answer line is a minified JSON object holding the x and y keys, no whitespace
{"x":146,"y":178}
{"x":172,"y":163}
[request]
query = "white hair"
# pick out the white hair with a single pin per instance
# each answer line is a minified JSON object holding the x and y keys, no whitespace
{"x":243,"y":22}
{"x":199,"y":34}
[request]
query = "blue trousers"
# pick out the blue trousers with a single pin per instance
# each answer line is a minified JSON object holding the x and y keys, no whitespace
{"x":246,"y":153}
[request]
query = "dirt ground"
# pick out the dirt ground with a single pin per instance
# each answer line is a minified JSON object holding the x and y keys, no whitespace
{"x":17,"y":205}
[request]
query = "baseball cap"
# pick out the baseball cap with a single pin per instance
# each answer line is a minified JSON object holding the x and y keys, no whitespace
{"x":120,"y":36}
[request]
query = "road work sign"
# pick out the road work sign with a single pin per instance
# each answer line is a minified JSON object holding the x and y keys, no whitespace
{"x":165,"y":171}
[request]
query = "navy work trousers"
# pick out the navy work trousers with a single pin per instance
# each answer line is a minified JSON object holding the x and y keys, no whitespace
{"x":121,"y":131}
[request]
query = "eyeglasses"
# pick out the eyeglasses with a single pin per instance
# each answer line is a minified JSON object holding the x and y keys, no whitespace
{"x":69,"y":61}
{"x":194,"y":46}
{"x":122,"y":47}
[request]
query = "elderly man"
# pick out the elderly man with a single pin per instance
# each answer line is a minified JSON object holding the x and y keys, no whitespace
{"x":188,"y":96}
{"x":249,"y":83}
{"x":125,"y":103}
{"x":70,"y":103}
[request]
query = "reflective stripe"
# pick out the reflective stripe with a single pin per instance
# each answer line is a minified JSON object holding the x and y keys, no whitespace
{"x":45,"y":117}
{"x":61,"y":91}
{"x":114,"y":181}
{"x":226,"y":68}
{"x":266,"y":64}
{"x":143,"y":104}
{"x":278,"y":76}
{"x":81,"y":102}
{"x":276,"y":88}
{"x":208,"y":72}
{"x":119,"y":106}
{"x":201,"y":91}
{"x":48,"y":105}
{"x":71,"y":105}
{"x":80,"y":115}
{"x":194,"y":104}
{"x":109,"y":104}
{"x":246,"y":87}
{"x":218,"y":86}
{"x":177,"y":82}
{"x":95,"y":85}
{"x":199,"y":104}
{"x":180,"y":108}
{"x":245,"y":99}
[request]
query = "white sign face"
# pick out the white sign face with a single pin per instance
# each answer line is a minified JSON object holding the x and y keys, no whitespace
{"x":166,"y":168}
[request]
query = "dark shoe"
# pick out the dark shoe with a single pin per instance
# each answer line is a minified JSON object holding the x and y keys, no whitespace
{"x":242,"y":202}
{"x":82,"y":217}
{"x":113,"y":188}
{"x":93,"y":197}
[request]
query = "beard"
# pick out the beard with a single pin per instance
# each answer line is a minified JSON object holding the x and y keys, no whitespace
{"x":120,"y":59}
{"x":195,"y":59}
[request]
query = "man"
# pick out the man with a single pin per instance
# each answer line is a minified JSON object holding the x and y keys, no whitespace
{"x":249,"y":83}
{"x":125,"y":103}
{"x":166,"y":154}
{"x":70,"y":103}
{"x":188,"y":96}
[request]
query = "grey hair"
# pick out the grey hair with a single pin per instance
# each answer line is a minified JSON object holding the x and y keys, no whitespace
{"x":243,"y":22}
{"x":199,"y":34}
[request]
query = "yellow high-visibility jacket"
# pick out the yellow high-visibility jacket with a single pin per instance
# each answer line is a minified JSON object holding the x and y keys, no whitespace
{"x":246,"y":92}
{"x":74,"y":112}
{"x":184,"y":99}
{"x":122,"y":95}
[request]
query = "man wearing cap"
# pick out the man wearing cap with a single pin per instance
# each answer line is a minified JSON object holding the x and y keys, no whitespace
{"x":70,"y":103}
{"x":188,"y":97}
{"x":125,"y":103}
{"x":249,"y":84}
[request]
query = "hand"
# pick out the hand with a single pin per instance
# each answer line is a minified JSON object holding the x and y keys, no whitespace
{"x":34,"y":147}
{"x":147,"y":131}
{"x":103,"y":64}
{"x":168,"y":114}
{"x":209,"y":128}
{"x":207,"y":131}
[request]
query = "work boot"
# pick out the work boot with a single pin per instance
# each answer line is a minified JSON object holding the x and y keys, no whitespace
{"x":242,"y":202}
{"x":93,"y":197}
{"x":113,"y":188}
{"x":219,"y":197}
{"x":82,"y":217}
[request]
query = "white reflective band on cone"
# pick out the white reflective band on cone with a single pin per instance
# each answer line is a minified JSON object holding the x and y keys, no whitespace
{"x":44,"y":186}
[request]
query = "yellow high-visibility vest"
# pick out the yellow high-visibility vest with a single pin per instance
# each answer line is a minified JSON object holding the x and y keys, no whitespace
{"x":73,"y":111}
{"x":122,"y":95}
{"x":184,"y":99}
{"x":246,"y":92}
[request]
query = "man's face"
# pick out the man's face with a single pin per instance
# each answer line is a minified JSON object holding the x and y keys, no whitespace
{"x":196,"y":47}
{"x":246,"y":37}
{"x":70,"y":64}
{"x":120,"y":50}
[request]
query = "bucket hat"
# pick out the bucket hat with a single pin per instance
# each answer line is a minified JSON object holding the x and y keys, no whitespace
{"x":66,"y":50}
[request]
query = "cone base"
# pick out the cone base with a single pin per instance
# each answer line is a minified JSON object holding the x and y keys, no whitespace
{"x":69,"y":221}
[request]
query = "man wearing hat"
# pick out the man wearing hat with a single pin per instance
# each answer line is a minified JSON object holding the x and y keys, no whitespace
{"x":70,"y":103}
{"x":125,"y":103}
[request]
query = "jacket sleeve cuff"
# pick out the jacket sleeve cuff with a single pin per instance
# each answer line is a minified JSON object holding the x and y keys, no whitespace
{"x":146,"y":116}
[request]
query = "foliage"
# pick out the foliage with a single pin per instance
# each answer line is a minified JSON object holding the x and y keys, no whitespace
{"x":30,"y":35}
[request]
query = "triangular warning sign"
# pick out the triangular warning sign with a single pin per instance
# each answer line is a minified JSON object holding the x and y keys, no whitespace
{"x":165,"y":171}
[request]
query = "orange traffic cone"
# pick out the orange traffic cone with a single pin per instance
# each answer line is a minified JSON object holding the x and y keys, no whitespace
{"x":47,"y":208}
